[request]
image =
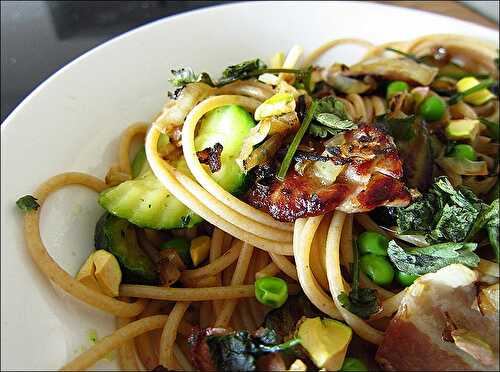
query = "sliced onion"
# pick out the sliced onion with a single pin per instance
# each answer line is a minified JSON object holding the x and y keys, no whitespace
{"x":463,"y":167}
{"x":175,"y":111}
{"x":256,"y":136}
{"x":264,"y":152}
{"x":480,"y":187}
{"x":395,"y":69}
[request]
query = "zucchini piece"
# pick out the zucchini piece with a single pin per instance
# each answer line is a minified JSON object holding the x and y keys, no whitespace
{"x":145,"y":202}
{"x":118,"y":237}
{"x":139,"y":164}
{"x":228,"y":125}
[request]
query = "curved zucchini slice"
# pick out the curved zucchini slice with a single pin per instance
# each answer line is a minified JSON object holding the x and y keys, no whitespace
{"x":145,"y":202}
{"x":228,"y":125}
{"x":118,"y":237}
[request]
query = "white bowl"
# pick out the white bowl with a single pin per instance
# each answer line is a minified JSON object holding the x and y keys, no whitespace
{"x":72,"y":121}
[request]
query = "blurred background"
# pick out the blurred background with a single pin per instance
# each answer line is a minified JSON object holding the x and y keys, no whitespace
{"x":39,"y":37}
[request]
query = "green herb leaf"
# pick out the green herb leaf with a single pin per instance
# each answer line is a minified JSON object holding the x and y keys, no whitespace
{"x":489,"y":219}
{"x":318,"y":131}
{"x":361,"y":301}
{"x":186,"y":75}
{"x":239,"y":350}
{"x":331,"y":115}
{"x":240,"y":70}
{"x":444,"y":214}
{"x":459,"y":96}
{"x":27,"y":203}
{"x":419,"y":261}
{"x":363,"y":305}
{"x":287,"y":160}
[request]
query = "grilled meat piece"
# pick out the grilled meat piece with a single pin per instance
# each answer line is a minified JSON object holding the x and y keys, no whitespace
{"x":370,"y":177}
{"x":440,"y":327}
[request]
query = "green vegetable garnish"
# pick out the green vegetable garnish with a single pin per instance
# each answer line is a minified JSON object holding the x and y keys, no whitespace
{"x":377,"y":268}
{"x":488,"y":219}
{"x":271,"y":291}
{"x":405,"y":279}
{"x":330,"y":118}
{"x":181,"y":245}
{"x":360,"y":301}
{"x":27,"y":203}
{"x":395,"y":87}
{"x":372,"y":242}
{"x":296,"y":141}
{"x":239,"y":351}
{"x":353,"y":364}
{"x":444,"y":214}
{"x":432,"y":108}
{"x":463,"y":151}
{"x":407,"y":55}
{"x":240,"y":71}
{"x":419,"y":261}
{"x":459,"y":96}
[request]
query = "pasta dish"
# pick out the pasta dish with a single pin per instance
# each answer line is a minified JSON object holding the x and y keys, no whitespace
{"x":289,"y":216}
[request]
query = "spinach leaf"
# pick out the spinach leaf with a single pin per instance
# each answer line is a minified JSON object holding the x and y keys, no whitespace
{"x":444,"y":214}
{"x":27,"y":203}
{"x":361,"y":301}
{"x":238,"y":351}
{"x":330,"y":118}
{"x":419,"y":261}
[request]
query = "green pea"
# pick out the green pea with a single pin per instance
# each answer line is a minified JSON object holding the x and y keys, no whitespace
{"x":405,"y":279}
{"x":463,"y":151}
{"x":372,"y":242}
{"x":353,"y":364}
{"x":377,"y":268}
{"x":396,"y":87}
{"x":182,"y":246}
{"x":433,"y":108}
{"x":271,"y":291}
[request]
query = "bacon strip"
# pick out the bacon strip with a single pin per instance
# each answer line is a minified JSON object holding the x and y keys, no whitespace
{"x":371,"y":179}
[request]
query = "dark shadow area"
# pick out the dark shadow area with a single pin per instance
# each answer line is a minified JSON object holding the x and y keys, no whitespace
{"x":40,"y":37}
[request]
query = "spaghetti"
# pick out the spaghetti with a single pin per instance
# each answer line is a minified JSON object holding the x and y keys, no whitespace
{"x":246,"y":243}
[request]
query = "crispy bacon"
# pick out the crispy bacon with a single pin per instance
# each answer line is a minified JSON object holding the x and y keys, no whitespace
{"x":211,"y":156}
{"x":370,"y":179}
{"x":422,"y":336}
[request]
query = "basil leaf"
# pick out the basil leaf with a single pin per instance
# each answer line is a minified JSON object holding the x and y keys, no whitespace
{"x":419,"y":261}
{"x":27,"y":203}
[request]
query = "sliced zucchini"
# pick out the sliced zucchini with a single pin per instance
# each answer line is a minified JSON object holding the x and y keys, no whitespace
{"x":145,"y":202}
{"x":228,"y":125}
{"x":118,"y":237}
